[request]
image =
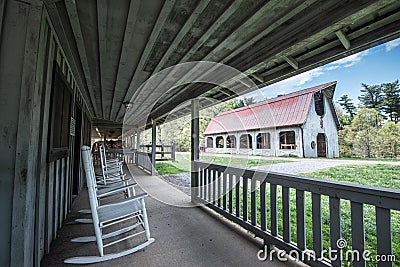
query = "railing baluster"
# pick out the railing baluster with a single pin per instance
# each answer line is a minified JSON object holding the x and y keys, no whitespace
{"x":335,"y":227}
{"x":202,"y":183}
{"x":253,"y":202}
{"x":317,"y":224}
{"x":237,"y":197}
{"x":263,"y":207}
{"x":214,"y":186}
{"x":224,"y":180}
{"x":286,"y":213}
{"x":357,"y":231}
{"x":245,"y":198}
{"x":274,"y":217}
{"x":300,"y":220}
{"x":219,"y":180}
{"x":230,"y":193}
{"x":383,"y":235}
{"x":209,"y":185}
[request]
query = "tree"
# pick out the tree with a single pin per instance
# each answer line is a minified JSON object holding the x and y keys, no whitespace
{"x":371,"y":96}
{"x":365,"y":127}
{"x":391,"y":100}
{"x":389,"y":140}
{"x":346,"y":138}
{"x":241,"y":102}
{"x":344,"y":119}
{"x":348,"y":106}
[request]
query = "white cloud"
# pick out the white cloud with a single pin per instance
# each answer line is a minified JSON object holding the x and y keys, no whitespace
{"x":294,"y":83}
{"x":291,"y":84}
{"x":392,"y":44}
{"x":347,"y":61}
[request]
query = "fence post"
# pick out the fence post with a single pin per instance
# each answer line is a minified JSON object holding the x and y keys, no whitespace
{"x":194,"y":146}
{"x":153,"y":147}
{"x":173,"y":151}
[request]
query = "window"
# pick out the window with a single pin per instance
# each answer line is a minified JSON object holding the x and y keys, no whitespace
{"x":209,"y":142}
{"x":219,"y":142}
{"x":246,"y":141}
{"x":60,"y":116}
{"x":319,"y":103}
{"x":287,"y":140}
{"x":263,"y":141}
{"x":231,"y":141}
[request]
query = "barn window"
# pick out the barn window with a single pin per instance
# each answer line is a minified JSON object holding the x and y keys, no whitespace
{"x":287,"y":140}
{"x":209,"y":142}
{"x":219,"y":142}
{"x":319,"y":103}
{"x":59,"y":129}
{"x":263,"y":141}
{"x":231,"y":141}
{"x":246,"y":141}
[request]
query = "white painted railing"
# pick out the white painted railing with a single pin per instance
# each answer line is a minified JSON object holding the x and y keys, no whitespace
{"x":240,"y":194}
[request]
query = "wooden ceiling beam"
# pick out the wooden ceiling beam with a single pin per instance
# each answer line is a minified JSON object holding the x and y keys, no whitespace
{"x":76,"y":27}
{"x":128,"y":40}
{"x":201,"y":6}
{"x":292,"y":62}
{"x":102,"y":13}
{"x":139,"y":74}
{"x":343,"y":39}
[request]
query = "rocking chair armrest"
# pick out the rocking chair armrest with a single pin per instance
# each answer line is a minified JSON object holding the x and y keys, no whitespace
{"x":116,"y":190}
{"x":123,"y":201}
{"x":111,"y":176}
{"x":112,"y":182}
{"x":113,"y":164}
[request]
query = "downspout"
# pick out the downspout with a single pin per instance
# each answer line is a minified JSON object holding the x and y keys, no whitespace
{"x":302,"y":139}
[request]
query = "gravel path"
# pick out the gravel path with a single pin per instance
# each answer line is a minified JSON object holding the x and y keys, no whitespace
{"x":182,"y":181}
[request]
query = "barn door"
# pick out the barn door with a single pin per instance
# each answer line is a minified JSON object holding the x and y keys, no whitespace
{"x":321,"y":145}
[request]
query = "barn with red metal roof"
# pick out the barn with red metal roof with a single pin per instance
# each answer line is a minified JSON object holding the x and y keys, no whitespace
{"x":303,"y":123}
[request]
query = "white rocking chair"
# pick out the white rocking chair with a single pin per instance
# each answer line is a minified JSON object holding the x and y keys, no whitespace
{"x":131,"y":210}
{"x":109,"y":186}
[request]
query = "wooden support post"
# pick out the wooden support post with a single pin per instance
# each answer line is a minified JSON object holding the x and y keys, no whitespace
{"x":153,"y":147}
{"x":138,"y":140}
{"x":194,"y":145}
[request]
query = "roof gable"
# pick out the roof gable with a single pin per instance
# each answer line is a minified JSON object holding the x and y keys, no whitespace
{"x":288,"y":110}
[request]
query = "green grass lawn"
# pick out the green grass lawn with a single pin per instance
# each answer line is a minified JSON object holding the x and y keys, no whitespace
{"x":374,"y":175}
{"x":182,"y":162}
{"x":380,"y":175}
{"x":368,"y":159}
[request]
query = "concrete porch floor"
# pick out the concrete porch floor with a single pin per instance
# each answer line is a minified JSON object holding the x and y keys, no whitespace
{"x":185,"y":236}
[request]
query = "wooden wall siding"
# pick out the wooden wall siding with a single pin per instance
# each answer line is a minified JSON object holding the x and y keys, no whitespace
{"x":36,"y":195}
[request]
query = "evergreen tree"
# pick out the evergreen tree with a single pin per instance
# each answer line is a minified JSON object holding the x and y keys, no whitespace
{"x":391,"y":100}
{"x":348,"y":106}
{"x":371,"y":97}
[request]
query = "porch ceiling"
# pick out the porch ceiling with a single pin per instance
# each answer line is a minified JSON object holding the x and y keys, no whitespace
{"x":114,"y":46}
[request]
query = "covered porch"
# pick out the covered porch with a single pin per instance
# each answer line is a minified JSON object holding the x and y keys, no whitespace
{"x":70,"y":70}
{"x":185,"y":234}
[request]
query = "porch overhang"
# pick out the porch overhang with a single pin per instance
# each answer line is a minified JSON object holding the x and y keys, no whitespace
{"x":115,"y":46}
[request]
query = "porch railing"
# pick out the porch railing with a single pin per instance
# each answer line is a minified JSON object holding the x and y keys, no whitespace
{"x":251,"y":199}
{"x":143,"y":160}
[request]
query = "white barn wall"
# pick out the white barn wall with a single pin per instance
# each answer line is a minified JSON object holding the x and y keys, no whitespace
{"x":274,"y":135}
{"x":312,"y":127}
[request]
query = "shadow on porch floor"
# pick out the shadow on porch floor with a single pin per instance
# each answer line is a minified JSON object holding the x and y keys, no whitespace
{"x":191,"y":236}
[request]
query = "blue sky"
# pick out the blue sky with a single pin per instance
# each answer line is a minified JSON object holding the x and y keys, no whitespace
{"x":377,"y":65}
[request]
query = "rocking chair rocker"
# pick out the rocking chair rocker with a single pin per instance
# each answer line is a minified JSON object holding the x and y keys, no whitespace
{"x":131,"y":210}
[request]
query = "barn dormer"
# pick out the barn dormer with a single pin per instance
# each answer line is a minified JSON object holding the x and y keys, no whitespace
{"x":319,"y":104}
